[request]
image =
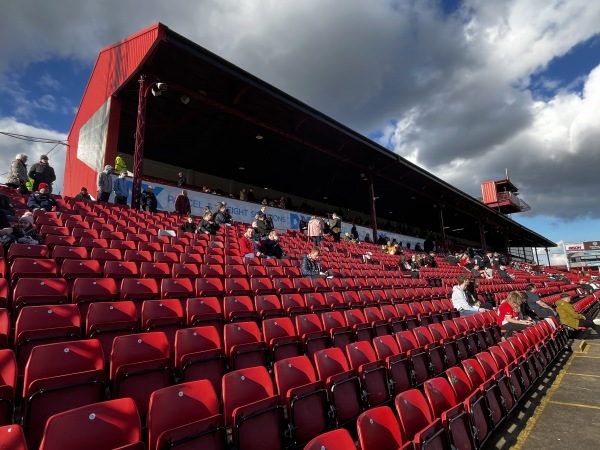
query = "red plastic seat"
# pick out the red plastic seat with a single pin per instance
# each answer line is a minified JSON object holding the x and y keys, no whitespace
{"x":316,"y":302}
{"x":72,"y":269}
{"x":27,"y":251}
{"x":417,"y":423}
{"x":107,"y":320}
{"x":281,"y":338}
{"x":137,"y":256}
{"x":181,"y":288}
{"x":305,"y":399}
{"x":205,"y":311}
{"x":209,"y":287}
{"x":62,"y":252}
{"x":313,"y":335}
{"x":332,"y":440}
{"x":4,"y":327}
{"x":378,"y":429}
{"x":339,"y":331}
{"x":244,"y":345}
{"x":284,"y":286}
{"x":261,"y":286}
{"x":239,"y":308}
{"x":397,"y":363}
{"x":182,"y":270}
{"x":361,"y":328}
{"x":199,"y":354}
{"x":268,"y":306}
{"x":32,"y":268}
{"x":120,"y":269}
{"x":371,"y":371}
{"x":164,"y":315}
{"x":237,"y":286}
{"x":12,"y":437}
{"x":8,"y":385}
{"x":343,"y":386}
{"x":60,"y":377}
{"x":88,"y":290}
{"x":185,"y":414}
{"x":253,"y":410}
{"x":39,"y":291}
{"x":139,"y":365}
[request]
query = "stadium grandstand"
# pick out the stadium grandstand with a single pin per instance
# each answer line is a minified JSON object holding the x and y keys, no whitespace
{"x":120,"y":330}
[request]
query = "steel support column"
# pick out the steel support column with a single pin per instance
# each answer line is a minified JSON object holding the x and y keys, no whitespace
{"x":138,"y":156}
{"x":482,"y":236}
{"x":442,"y":229}
{"x":548,"y":256}
{"x":537,"y":258}
{"x":372,"y":205}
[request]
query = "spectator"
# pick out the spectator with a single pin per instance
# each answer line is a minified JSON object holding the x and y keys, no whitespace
{"x":504,"y":274}
{"x":4,"y":223}
{"x":243,"y":195}
{"x":250,"y":195}
{"x":188,"y":226}
{"x":121,"y":189}
{"x":42,"y":200}
{"x":281,"y":202}
{"x":22,"y":232}
{"x":42,"y":172}
{"x":271,"y":246}
{"x":17,"y":174}
{"x":223,"y":217}
{"x":120,"y":165}
{"x":536,"y":304}
{"x":406,"y":267}
{"x":354,"y":232}
{"x":181,"y":182}
{"x":7,"y":208}
{"x":303,"y":225}
{"x":182,"y":204}
{"x":311,"y":267}
{"x":105,"y":184}
{"x":430,"y":260}
{"x":148,"y":200}
{"x":207,"y":225}
{"x":83,"y":195}
{"x":367,"y":238}
{"x":336,"y":227}
{"x":248,"y":246}
{"x":463,"y":300}
{"x":510,"y":317}
{"x":315,"y":230}
{"x":261,"y":227}
{"x":571,"y":318}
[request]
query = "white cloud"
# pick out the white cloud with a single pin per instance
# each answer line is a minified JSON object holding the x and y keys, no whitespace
{"x":48,"y":82}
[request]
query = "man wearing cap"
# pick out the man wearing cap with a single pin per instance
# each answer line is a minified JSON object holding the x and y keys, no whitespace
{"x":42,"y":199}
{"x":42,"y":172}
{"x":105,"y":184}
{"x":148,"y":200}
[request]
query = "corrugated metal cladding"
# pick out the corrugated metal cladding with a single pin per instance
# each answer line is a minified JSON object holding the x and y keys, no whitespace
{"x":488,"y":190}
{"x":114,"y":66}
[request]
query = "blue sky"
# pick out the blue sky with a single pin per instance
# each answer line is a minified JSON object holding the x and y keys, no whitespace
{"x":463,"y":88}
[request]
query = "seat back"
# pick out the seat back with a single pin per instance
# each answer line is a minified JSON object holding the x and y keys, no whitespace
{"x":8,"y":385}
{"x":378,"y":429}
{"x":164,"y":315}
{"x":107,"y":320}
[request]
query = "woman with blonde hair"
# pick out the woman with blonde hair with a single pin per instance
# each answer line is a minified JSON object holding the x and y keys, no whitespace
{"x":510,"y":317}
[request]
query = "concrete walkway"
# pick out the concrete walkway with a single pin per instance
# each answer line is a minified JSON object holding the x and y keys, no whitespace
{"x":562,"y":409}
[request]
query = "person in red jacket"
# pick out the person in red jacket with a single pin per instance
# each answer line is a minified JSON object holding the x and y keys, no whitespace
{"x":182,"y":204}
{"x":248,"y":246}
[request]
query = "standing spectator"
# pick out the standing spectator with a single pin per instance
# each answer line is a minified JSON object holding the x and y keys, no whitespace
{"x":42,"y":172}
{"x":105,"y":184}
{"x":571,"y":318}
{"x":261,"y":227}
{"x":315,"y":230}
{"x":182,"y":204}
{"x":120,"y":165}
{"x":250,"y":195}
{"x":336,"y":227}
{"x":207,"y":225}
{"x":303,"y":225}
{"x":248,"y":245}
{"x":83,"y":195}
{"x":17,"y":174}
{"x":354,"y":232}
{"x":121,"y":189}
{"x":243,"y":195}
{"x":181,"y":182}
{"x":42,"y":200}
{"x":7,"y":208}
{"x":189,"y":226}
{"x":281,"y":203}
{"x":148,"y":200}
{"x":311,"y":267}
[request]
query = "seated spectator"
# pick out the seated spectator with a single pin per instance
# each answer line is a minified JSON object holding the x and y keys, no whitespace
{"x":182,"y":204}
{"x":261,"y":228}
{"x":464,"y":301}
{"x":571,"y":318}
{"x":536,"y":304}
{"x":7,"y":208}
{"x":271,"y":247}
{"x":189,"y":226}
{"x":207,"y":225}
{"x":83,"y":195}
{"x":504,"y":274}
{"x":406,"y":268}
{"x":23,"y":232}
{"x":584,"y":285}
{"x":430,"y":260}
{"x":311,"y":267}
{"x":42,"y":200}
{"x":148,"y":200}
{"x":248,"y":246}
{"x":223,"y":217}
{"x":510,"y":317}
{"x":368,"y":238}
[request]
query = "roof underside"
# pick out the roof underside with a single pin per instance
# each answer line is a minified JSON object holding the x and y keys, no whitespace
{"x":303,"y":152}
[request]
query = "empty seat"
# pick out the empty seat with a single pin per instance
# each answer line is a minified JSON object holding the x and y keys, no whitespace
{"x":253,"y":410}
{"x":332,"y":440}
{"x":397,"y":363}
{"x":32,"y":268}
{"x":120,"y":269}
{"x":80,"y":268}
{"x":183,"y":270}
{"x":39,"y":291}
{"x":339,"y":331}
{"x":304,"y":396}
{"x":343,"y":386}
{"x":209,"y":287}
{"x":164,"y":315}
{"x":12,"y":437}
{"x":199,"y":354}
{"x":8,"y":385}
{"x":4,"y":290}
{"x":4,"y":327}
{"x":88,"y":290}
{"x":38,"y":325}
{"x":311,"y":331}
{"x":110,"y":424}
{"x":417,"y":424}
{"x":185,"y":414}
{"x":281,"y":338}
{"x":378,"y":429}
{"x":205,"y":311}
{"x":107,"y":320}
{"x":371,"y":371}
{"x":139,"y":365}
{"x":244,"y":345}
{"x":27,"y":251}
{"x":62,"y":252}
{"x":60,"y":377}
{"x":239,"y":308}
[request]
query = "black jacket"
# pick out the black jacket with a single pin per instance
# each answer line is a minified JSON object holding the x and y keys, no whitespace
{"x":206,"y":226}
{"x":149,"y":202}
{"x":41,"y":174}
{"x":310,"y":268}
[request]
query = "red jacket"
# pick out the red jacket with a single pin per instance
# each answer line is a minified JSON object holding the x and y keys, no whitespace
{"x":246,"y":246}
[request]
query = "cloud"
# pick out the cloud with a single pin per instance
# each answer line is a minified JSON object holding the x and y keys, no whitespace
{"x":47,"y":82}
{"x":10,"y":147}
